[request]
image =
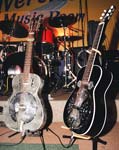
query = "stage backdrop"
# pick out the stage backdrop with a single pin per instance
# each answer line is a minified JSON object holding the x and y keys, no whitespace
{"x":82,"y":10}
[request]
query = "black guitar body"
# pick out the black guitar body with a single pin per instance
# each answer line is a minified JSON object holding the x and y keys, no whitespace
{"x":90,"y":118}
{"x":90,"y":109}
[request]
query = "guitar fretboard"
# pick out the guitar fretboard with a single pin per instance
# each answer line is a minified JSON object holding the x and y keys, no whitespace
{"x":28,"y":57}
{"x":92,"y":56}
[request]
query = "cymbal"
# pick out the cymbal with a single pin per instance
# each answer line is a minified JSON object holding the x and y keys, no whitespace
{"x":14,"y":29}
{"x":69,"y":38}
{"x":62,"y":21}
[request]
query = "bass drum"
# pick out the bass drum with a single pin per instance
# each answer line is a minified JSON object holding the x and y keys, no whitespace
{"x":14,"y":64}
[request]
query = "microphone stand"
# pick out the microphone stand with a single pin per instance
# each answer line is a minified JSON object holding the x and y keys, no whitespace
{"x":82,"y":27}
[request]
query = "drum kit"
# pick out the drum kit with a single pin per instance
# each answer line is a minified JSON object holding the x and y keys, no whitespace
{"x":48,"y":62}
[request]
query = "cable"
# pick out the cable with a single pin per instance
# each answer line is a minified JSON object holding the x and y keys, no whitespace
{"x":22,"y":139}
{"x":71,"y":142}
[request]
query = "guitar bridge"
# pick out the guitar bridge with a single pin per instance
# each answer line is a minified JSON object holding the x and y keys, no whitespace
{"x":75,"y":107}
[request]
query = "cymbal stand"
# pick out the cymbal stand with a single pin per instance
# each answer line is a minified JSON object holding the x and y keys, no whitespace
{"x":68,"y":74}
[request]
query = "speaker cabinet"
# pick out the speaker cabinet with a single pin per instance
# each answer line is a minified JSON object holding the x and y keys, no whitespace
{"x":92,"y":27}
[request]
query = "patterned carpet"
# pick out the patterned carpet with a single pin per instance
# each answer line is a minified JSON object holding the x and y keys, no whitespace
{"x":36,"y":147}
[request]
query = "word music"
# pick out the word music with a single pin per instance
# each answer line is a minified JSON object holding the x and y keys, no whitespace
{"x":25,"y":19}
{"x":17,"y":3}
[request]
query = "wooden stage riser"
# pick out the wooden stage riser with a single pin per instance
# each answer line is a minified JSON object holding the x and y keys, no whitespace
{"x":58,"y":108}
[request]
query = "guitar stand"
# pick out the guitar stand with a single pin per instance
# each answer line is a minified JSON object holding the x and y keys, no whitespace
{"x":74,"y":137}
{"x":97,"y":140}
{"x":13,"y":134}
{"x":42,"y":139}
{"x":39,"y":133}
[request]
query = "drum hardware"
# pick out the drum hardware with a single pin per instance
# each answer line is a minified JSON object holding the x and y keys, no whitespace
{"x":48,"y":64}
{"x":21,"y":46}
{"x":3,"y":55}
{"x":12,"y":71}
{"x":52,"y":63}
{"x":48,"y":46}
{"x":8,"y":76}
{"x":4,"y":51}
{"x":7,"y":49}
{"x":69,"y":38}
{"x":75,"y":29}
{"x":64,"y":22}
{"x":1,"y":80}
{"x":71,"y":78}
{"x":68,"y":74}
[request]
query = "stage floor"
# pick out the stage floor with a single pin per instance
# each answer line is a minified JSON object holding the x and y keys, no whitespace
{"x":111,"y":138}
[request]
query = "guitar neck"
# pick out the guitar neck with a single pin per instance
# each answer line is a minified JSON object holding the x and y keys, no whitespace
{"x":93,"y":52}
{"x":98,"y":35}
{"x":28,"y":56}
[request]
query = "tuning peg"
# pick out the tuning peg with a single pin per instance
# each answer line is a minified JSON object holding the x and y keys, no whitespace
{"x":105,"y":10}
{"x":103,"y":14}
{"x":112,"y":7}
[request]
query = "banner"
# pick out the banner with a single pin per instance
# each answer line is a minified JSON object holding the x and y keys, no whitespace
{"x":23,"y":10}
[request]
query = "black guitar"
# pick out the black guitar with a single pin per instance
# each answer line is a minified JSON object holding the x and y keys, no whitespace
{"x":86,"y":110}
{"x":25,"y":109}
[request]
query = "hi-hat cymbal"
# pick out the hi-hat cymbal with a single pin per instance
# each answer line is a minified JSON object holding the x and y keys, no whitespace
{"x":69,"y":38}
{"x":62,"y":21}
{"x":14,"y":29}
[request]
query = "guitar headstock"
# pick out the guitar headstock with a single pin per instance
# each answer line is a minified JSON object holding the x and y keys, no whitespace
{"x":107,"y":14}
{"x":34,"y":24}
{"x":33,"y":27}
